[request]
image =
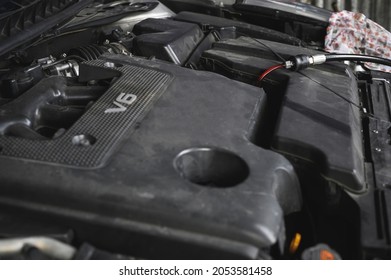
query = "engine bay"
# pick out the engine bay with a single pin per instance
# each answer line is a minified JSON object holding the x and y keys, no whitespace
{"x":132,"y":131}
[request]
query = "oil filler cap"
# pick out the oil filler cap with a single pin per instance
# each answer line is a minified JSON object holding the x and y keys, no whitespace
{"x":320,"y":252}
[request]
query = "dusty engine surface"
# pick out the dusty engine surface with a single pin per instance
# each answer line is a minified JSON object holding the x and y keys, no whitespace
{"x":170,"y":159}
{"x":147,"y":134}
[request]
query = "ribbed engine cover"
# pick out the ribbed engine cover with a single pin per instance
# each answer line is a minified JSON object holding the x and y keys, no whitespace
{"x":136,"y":84}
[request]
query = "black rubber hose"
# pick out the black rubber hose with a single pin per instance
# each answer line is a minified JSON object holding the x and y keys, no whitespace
{"x":359,"y":58}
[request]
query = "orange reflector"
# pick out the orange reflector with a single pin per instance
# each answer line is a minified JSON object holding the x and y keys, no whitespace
{"x":326,"y":255}
{"x":295,"y":243}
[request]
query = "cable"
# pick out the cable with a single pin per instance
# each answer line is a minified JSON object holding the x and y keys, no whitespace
{"x":284,"y":65}
{"x":269,"y":70}
{"x":300,"y":62}
{"x":297,"y":61}
{"x":263,"y":45}
{"x":336,"y":93}
{"x":359,"y":58}
{"x":270,"y":49}
{"x":273,"y":68}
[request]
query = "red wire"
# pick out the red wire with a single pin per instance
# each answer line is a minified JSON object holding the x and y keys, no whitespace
{"x":269,"y":70}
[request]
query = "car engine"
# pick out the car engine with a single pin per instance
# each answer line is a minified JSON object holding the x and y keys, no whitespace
{"x":133,"y":131}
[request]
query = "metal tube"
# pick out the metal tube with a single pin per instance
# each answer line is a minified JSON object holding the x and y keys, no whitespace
{"x":48,"y":246}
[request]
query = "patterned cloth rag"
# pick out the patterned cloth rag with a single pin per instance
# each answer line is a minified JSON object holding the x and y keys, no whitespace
{"x":354,"y":33}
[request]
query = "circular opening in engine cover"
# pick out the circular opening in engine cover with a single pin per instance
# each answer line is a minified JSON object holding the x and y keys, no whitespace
{"x":211,"y":167}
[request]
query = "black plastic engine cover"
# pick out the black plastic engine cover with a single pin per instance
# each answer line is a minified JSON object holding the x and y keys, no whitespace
{"x":168,"y":40}
{"x":172,"y":172}
{"x":312,"y":120}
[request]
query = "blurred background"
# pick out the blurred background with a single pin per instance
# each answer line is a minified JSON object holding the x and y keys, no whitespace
{"x":377,"y":10}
